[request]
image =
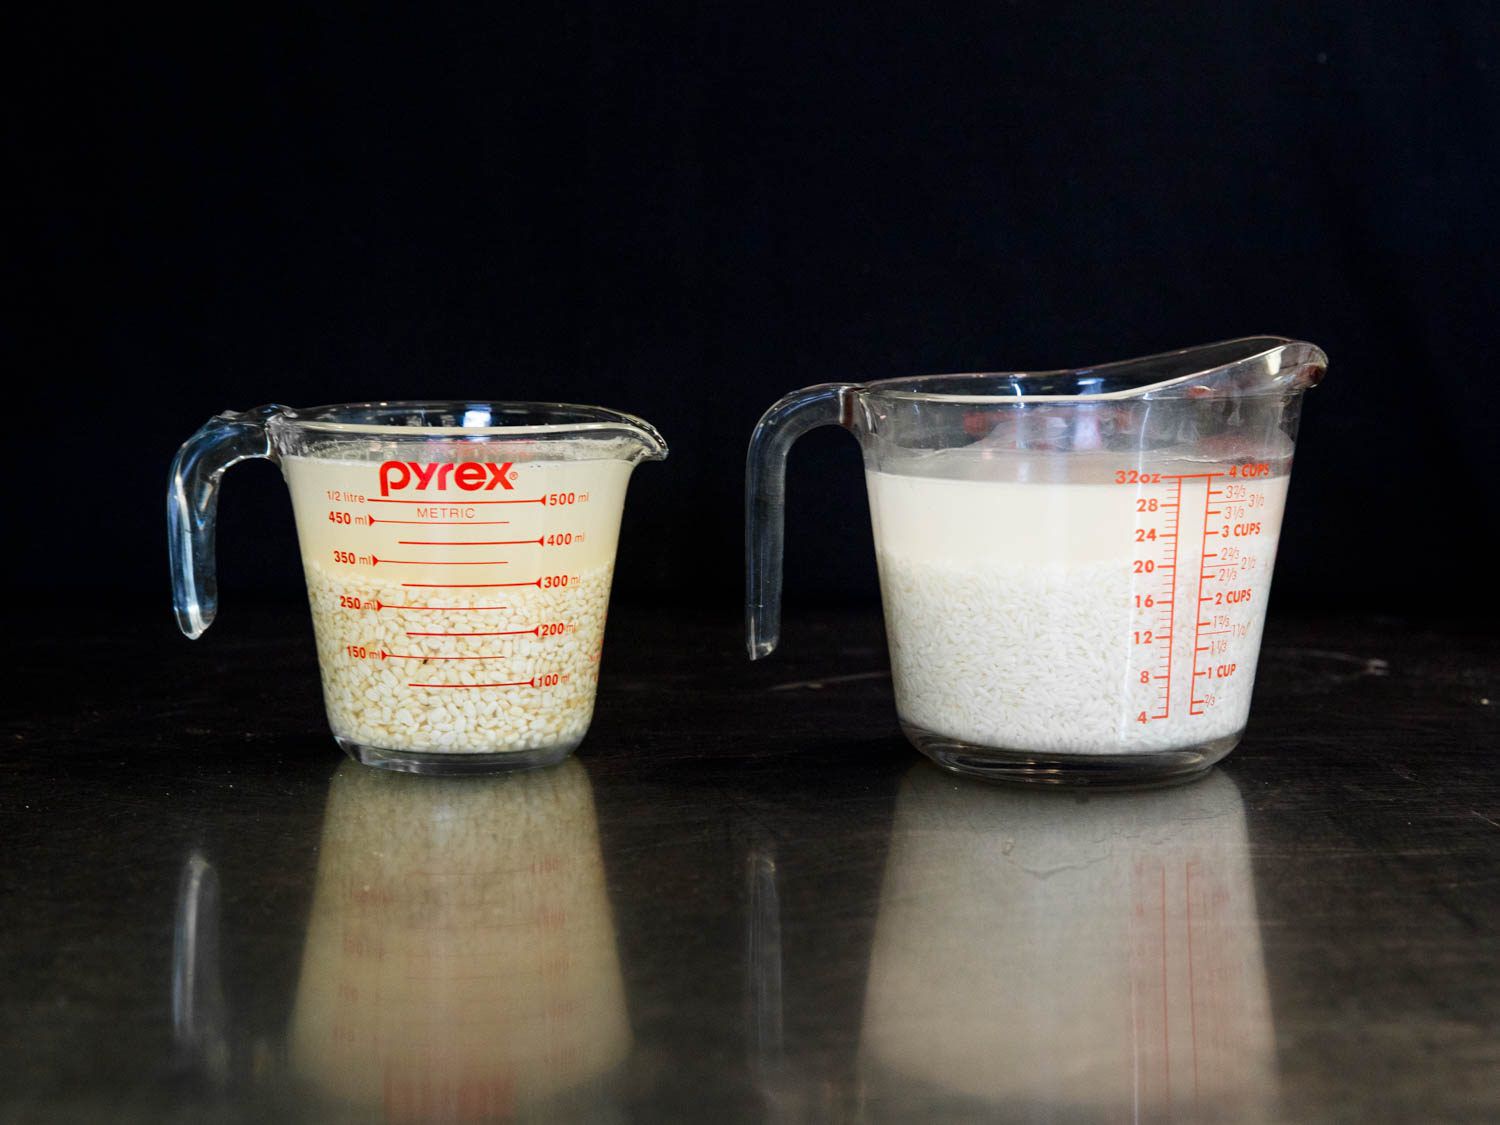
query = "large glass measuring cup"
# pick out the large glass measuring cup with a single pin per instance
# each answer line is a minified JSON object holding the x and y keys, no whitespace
{"x":458,"y":558}
{"x":1074,"y":565}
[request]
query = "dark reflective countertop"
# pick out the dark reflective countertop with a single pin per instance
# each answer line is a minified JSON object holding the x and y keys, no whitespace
{"x":747,"y":898}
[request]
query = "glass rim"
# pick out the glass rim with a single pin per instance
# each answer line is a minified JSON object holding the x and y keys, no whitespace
{"x":561,"y":419}
{"x":1239,"y":352}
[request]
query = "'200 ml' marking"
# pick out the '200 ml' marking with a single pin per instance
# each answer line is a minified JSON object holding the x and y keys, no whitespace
{"x":471,"y":476}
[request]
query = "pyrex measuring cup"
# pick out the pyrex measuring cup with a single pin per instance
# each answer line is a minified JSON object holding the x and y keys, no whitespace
{"x":1075,"y":564}
{"x":458,"y":558}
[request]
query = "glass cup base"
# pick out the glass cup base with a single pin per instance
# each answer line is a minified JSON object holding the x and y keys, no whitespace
{"x":1096,"y":771}
{"x":453,"y":764}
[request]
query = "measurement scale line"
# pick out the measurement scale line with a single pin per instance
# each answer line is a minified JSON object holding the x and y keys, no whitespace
{"x":511,"y":683}
{"x":1166,"y":702}
{"x":419,"y":656}
{"x":1195,"y":704}
{"x":466,"y":542}
{"x":444,"y":608}
{"x":448,"y":502}
{"x":466,"y":586}
{"x":439,"y":562}
{"x":501,"y":633}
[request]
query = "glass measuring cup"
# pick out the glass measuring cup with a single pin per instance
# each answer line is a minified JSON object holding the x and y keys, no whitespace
{"x":458,"y":558}
{"x":1074,"y":565}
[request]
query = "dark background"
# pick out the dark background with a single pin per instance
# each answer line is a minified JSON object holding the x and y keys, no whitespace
{"x":685,"y":211}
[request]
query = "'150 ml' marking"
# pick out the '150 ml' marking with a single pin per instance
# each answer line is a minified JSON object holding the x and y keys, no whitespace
{"x":471,"y":476}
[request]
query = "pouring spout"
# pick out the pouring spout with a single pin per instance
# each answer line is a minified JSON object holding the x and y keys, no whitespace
{"x":1302,"y":365}
{"x":653,"y":447}
{"x":1255,"y":365}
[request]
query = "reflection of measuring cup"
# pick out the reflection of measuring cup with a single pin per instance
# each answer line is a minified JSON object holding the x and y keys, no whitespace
{"x":458,"y":560}
{"x":1090,"y":962}
{"x":460,"y":960}
{"x":1074,"y":565}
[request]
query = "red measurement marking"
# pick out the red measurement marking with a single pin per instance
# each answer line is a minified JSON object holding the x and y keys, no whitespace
{"x":466,"y":542}
{"x":442,"y":523}
{"x":1166,"y":693}
{"x":512,"y":683}
{"x":1196,"y":705}
{"x":379,"y":605}
{"x":449,"y":502}
{"x":420,"y":656}
{"x":438,"y":562}
{"x":502,"y":633}
{"x":467,"y":585}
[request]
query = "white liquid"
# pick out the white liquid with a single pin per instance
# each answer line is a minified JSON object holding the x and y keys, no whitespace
{"x":452,"y":620}
{"x":1033,"y":615}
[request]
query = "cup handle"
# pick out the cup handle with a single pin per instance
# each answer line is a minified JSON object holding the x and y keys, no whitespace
{"x":193,"y":507}
{"x":828,"y":404}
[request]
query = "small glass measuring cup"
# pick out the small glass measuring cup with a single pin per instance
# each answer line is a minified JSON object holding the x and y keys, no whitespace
{"x":458,"y":558}
{"x":1074,"y":565}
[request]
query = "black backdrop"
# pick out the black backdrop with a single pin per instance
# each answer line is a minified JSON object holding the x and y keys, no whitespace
{"x":685,"y":211}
